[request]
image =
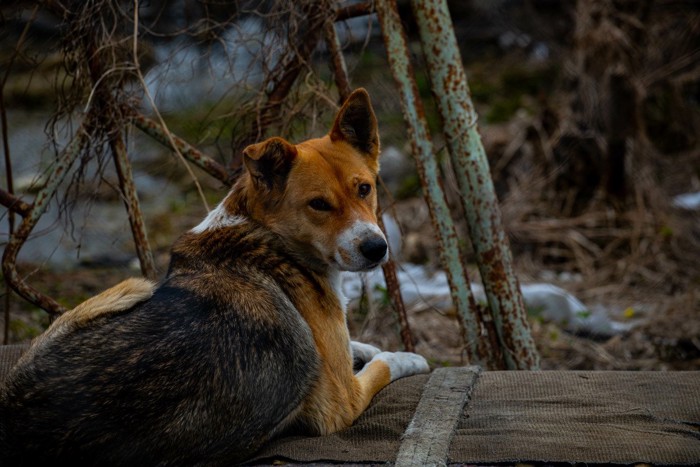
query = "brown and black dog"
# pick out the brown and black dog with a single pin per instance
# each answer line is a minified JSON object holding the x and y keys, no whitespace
{"x":246,"y":336}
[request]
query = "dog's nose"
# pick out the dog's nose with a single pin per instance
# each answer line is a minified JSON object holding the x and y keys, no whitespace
{"x":373,"y":249}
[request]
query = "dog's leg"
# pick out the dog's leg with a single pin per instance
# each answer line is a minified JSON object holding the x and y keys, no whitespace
{"x":342,"y":396}
{"x":362,"y":353}
{"x":384,"y":368}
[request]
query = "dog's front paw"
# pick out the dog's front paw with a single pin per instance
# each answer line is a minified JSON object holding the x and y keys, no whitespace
{"x":363,"y":353}
{"x":403,"y":364}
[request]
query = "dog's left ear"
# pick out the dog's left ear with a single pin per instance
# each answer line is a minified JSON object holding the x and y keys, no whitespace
{"x":357,"y":124}
{"x":269,"y":162}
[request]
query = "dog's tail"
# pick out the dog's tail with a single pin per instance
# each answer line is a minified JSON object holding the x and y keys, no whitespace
{"x":118,"y":298}
{"x":121,"y":297}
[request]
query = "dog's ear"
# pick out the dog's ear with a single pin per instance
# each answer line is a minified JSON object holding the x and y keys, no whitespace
{"x":269,"y":162}
{"x":357,"y":124}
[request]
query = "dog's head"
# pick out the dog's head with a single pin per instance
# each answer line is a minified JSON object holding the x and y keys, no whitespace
{"x":320,"y":195}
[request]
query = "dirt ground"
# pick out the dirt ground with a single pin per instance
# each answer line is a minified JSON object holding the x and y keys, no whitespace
{"x":637,"y":256}
{"x":667,"y":336}
{"x":668,"y":341}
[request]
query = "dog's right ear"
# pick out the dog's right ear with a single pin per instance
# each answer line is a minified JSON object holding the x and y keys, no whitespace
{"x":356,"y":124}
{"x":269,"y":162}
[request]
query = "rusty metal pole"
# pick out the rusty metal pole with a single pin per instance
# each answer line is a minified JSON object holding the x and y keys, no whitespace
{"x":450,"y":88}
{"x":477,"y":343}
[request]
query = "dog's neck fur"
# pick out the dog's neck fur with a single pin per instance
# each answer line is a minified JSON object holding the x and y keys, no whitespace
{"x":241,"y":205}
{"x":241,"y":200}
{"x":236,"y":207}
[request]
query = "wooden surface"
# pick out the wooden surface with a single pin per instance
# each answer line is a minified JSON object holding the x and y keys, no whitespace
{"x":427,"y":439}
{"x":467,"y":416}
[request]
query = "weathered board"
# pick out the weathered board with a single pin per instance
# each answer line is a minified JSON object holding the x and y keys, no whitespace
{"x":466,"y":416}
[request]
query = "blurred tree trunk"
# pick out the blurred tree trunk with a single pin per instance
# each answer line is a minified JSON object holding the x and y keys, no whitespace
{"x":619,"y":128}
{"x":609,"y":41}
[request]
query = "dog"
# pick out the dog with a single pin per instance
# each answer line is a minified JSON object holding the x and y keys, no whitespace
{"x":243,"y":340}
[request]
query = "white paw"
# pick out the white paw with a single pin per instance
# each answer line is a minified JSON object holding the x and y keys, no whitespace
{"x":363,"y":352}
{"x":403,"y":364}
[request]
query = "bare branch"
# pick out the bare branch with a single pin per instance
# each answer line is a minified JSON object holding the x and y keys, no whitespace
{"x":189,"y":152}
{"x":14,"y":204}
{"x":355,"y":10}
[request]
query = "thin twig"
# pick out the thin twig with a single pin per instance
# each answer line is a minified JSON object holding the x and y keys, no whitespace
{"x":286,"y":73}
{"x":14,"y":205}
{"x":17,"y":239}
{"x":340,"y":70}
{"x":389,"y":268}
{"x":8,"y":166}
{"x":394,"y":290}
{"x":354,"y":10}
{"x":106,"y":106}
{"x":189,"y":152}
{"x":155,"y":108}
{"x":131,"y":201}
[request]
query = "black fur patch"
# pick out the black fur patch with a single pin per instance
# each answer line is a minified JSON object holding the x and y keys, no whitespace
{"x":201,"y":373}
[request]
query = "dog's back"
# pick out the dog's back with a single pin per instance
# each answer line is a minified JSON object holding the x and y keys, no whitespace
{"x":154,"y":380}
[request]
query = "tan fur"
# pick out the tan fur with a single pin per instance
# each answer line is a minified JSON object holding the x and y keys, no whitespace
{"x":118,"y":298}
{"x":339,"y":396}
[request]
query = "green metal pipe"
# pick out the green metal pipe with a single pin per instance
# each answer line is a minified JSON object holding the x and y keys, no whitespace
{"x":451,"y":90}
{"x":477,"y":347}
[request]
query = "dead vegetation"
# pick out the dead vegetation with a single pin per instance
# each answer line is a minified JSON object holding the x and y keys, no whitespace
{"x":587,"y":185}
{"x":586,"y":174}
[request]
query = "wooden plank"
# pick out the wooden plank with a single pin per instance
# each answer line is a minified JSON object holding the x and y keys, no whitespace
{"x":427,"y":439}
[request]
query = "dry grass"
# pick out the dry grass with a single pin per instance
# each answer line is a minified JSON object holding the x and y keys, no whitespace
{"x":638,"y":253}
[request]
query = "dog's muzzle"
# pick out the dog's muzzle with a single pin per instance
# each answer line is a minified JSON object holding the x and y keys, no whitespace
{"x":361,"y":247}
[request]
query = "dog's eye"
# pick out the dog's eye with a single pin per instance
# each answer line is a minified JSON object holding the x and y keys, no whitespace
{"x":320,"y":204}
{"x":364,"y":189}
